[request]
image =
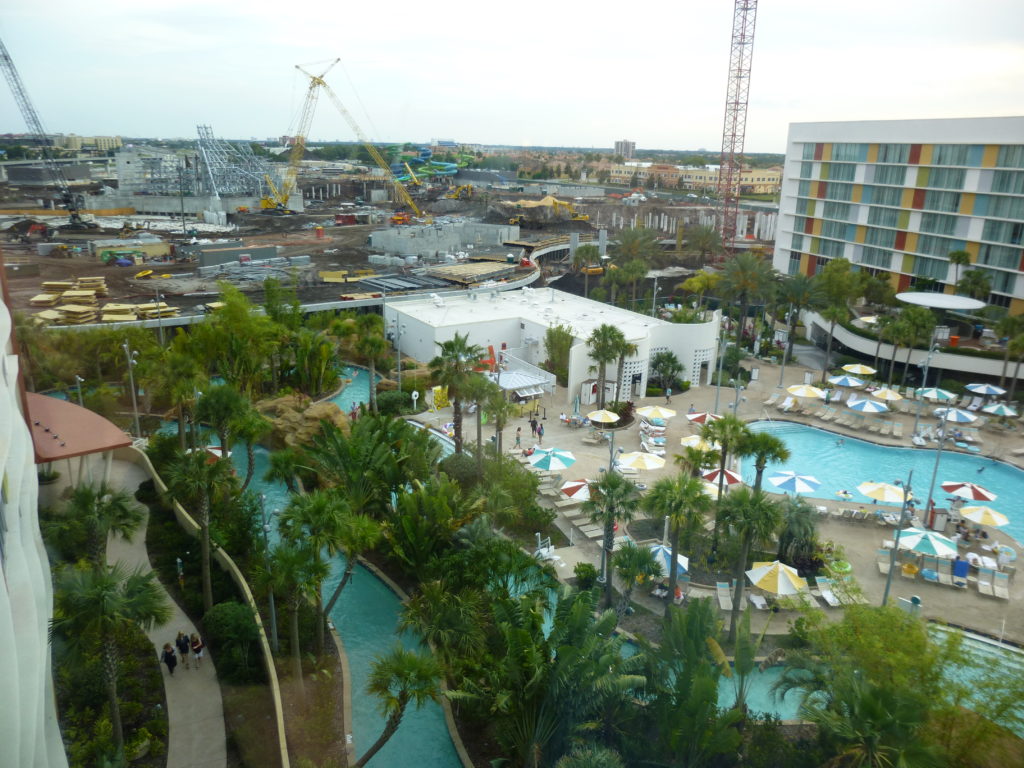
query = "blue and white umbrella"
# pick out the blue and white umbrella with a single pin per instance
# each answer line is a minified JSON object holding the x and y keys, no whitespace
{"x":663,"y":555}
{"x":999,"y":409}
{"x":986,"y":389}
{"x":927,"y":542}
{"x":846,"y":381}
{"x":934,"y":393}
{"x":955,"y":415}
{"x":551,"y":459}
{"x":868,"y":406}
{"x":787,"y":480}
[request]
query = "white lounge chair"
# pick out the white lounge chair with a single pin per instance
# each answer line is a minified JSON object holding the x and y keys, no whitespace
{"x":787,"y":405}
{"x":1001,"y":586}
{"x":648,"y":448}
{"x":724,"y":595}
{"x":883,"y":558}
{"x":945,"y":571}
{"x":758,"y":602}
{"x":986,"y":581}
{"x":975,"y":403}
{"x":825,"y":590}
{"x":772,"y":400}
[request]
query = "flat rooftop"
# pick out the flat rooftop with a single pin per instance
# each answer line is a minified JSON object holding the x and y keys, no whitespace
{"x":546,"y":306}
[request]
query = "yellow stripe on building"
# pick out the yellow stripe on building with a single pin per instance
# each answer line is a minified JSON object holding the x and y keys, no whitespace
{"x":861,"y":230}
{"x":989,"y":157}
{"x":805,"y":263}
{"x":922,"y":177}
{"x":927,"y":150}
{"x":908,"y":264}
{"x":911,"y":244}
{"x":872,"y":153}
{"x":816,"y":228}
{"x":858,"y":190}
{"x":826,"y":152}
{"x":908,"y":199}
{"x":973,"y":248}
{"x":967,"y":203}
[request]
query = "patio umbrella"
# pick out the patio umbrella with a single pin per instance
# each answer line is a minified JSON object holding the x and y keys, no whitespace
{"x":845,"y":381}
{"x":788,"y":480}
{"x":603,"y":417}
{"x":986,"y":389}
{"x":859,"y":370}
{"x":999,"y":409}
{"x":968,"y":491}
{"x":777,"y":578}
{"x":731,"y":478}
{"x":641,"y":460}
{"x":702,"y":417}
{"x":934,"y":393}
{"x":887,"y":394}
{"x":927,"y":542}
{"x":696,"y":441}
{"x":805,"y":390}
{"x":551,"y":459}
{"x":577,"y":489}
{"x":868,"y":406}
{"x":663,"y":555}
{"x":885,"y":492}
{"x":655,"y":412}
{"x":984,"y":516}
{"x":955,"y":415}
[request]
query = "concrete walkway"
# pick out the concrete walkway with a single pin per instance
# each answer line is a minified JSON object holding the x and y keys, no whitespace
{"x":195,"y":712}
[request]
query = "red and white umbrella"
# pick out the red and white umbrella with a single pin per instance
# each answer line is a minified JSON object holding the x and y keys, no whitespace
{"x":702,"y":417}
{"x":577,"y":489}
{"x":968,"y":491}
{"x":731,"y":478}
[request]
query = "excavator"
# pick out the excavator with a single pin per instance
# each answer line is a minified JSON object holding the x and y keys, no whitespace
{"x":461,"y":192}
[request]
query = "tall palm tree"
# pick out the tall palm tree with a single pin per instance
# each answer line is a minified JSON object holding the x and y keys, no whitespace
{"x":604,"y":345}
{"x":612,"y":498}
{"x":451,"y":368}
{"x":693,"y":459}
{"x":796,"y":293}
{"x":636,"y":243}
{"x":585,"y":256}
{"x":834,"y":313}
{"x":900,"y":333}
{"x":250,"y":426}
{"x":452,"y":621}
{"x":753,"y":517}
{"x":682,"y":500}
{"x":705,"y":240}
{"x":219,"y":406}
{"x":634,"y":271}
{"x":283,"y":465}
{"x":1016,"y":348}
{"x":729,"y":432}
{"x":747,"y":278}
{"x":626,"y":349}
{"x":372,"y":346}
{"x":478,"y":389}
{"x":93,"y":607}
{"x":633,"y":564}
{"x":701,"y":283}
{"x":1007,"y":328}
{"x":798,"y":538}
{"x":958,"y":259}
{"x":883,"y":327}
{"x":99,"y":511}
{"x":976,"y":284}
{"x":185,"y":378}
{"x":196,"y":481}
{"x":357,"y":535}
{"x":500,"y":409}
{"x":764,"y":447}
{"x":919,"y":329}
{"x":397,"y":679}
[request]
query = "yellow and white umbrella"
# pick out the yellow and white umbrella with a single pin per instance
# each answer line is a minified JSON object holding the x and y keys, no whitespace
{"x":655,"y":412}
{"x":805,"y":390}
{"x":859,"y":370}
{"x":777,"y":578}
{"x":885,"y":492}
{"x":696,"y":441}
{"x":984,"y":516}
{"x":603,"y":417}
{"x":887,"y":394}
{"x":641,"y":460}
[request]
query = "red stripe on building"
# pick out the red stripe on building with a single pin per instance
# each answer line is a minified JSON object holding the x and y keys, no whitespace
{"x":915,"y":154}
{"x":901,"y":241}
{"x":809,"y":228}
{"x":918,"y":199}
{"x":904,"y":282}
{"x":819,"y":150}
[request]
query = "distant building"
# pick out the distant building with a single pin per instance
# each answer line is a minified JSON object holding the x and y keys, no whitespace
{"x":752,"y":181}
{"x":625,"y":148}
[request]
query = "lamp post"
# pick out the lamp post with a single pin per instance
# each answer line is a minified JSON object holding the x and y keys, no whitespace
{"x":79,"y":380}
{"x":896,"y":541}
{"x":924,"y":383}
{"x":721,"y":363}
{"x":739,"y":388}
{"x":266,"y":564}
{"x":398,"y":328}
{"x":785,"y":350}
{"x":935,"y":469}
{"x":130,"y":356}
{"x":654,"y":298}
{"x":159,"y":314}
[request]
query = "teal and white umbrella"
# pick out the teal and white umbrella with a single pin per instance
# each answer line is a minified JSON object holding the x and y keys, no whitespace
{"x":955,"y":415}
{"x":868,"y":406}
{"x":663,"y":555}
{"x":986,"y":389}
{"x":551,"y":459}
{"x":846,"y":381}
{"x":927,"y":542}
{"x":934,"y":393}
{"x":999,"y":409}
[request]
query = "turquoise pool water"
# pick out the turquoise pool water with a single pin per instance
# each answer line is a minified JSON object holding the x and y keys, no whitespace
{"x":845,"y":466}
{"x":357,"y":392}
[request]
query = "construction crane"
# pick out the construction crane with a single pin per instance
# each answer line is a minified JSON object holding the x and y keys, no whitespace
{"x":735,"y":128}
{"x":68,"y":199}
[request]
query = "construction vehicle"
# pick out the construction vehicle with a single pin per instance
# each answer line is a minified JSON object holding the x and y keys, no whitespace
{"x":412,"y":176}
{"x":72,"y":202}
{"x":401,"y":217}
{"x":570,"y":209}
{"x":461,"y":192}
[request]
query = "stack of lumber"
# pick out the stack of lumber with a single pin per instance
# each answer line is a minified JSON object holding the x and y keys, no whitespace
{"x":45,"y":300}
{"x":118,"y":313}
{"x":77,"y":314}
{"x":79,"y":298}
{"x":156,"y":309}
{"x":57,"y":286}
{"x":47,"y":317}
{"x":96,"y":284}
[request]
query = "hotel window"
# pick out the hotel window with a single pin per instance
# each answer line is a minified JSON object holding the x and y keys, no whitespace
{"x":800,"y":223}
{"x":832,"y":248}
{"x":1011,"y":232}
{"x":949,"y":154}
{"x":890,"y":174}
{"x":846,"y":151}
{"x":883,"y":217}
{"x":933,"y":268}
{"x":794,"y":263}
{"x":839,"y":211}
{"x":893,"y":153}
{"x":797,"y":243}
{"x":806,"y":169}
{"x":936,"y":246}
{"x":1011,"y":182}
{"x":1011,"y":157}
{"x":820,"y":262}
{"x":886,"y":196}
{"x":833,"y":229}
{"x":999,"y":256}
{"x":938,"y":223}
{"x":1006,"y":207}
{"x":808,"y":153}
{"x":947,"y":202}
{"x":1001,"y":281}
{"x":842,"y":192}
{"x":998,"y":301}
{"x":841,"y":171}
{"x":804,"y":189}
{"x":885,"y":238}
{"x":947,"y":178}
{"x":876,"y":257}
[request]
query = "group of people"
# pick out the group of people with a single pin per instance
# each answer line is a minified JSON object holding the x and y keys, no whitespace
{"x":966,"y":534}
{"x":536,"y":431}
{"x":183,"y":645}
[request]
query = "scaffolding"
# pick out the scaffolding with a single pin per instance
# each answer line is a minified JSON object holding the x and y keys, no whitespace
{"x":231,"y":168}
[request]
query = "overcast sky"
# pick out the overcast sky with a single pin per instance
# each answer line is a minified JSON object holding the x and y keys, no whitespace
{"x":529,"y":72}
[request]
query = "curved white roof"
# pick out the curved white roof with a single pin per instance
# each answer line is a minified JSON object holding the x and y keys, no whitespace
{"x":939,"y":300}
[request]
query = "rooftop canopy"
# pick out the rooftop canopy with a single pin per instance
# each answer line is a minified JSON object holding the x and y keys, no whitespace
{"x":940,"y":300}
{"x":63,"y":430}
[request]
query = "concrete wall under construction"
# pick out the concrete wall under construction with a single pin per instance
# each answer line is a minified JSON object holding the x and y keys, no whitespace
{"x":436,"y":239}
{"x":171,"y":205}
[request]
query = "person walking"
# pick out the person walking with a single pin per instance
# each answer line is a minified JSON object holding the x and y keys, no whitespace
{"x":183,"y":644}
{"x":533,"y":427}
{"x":668,"y":395}
{"x":540,"y":434}
{"x":519,"y":437}
{"x":168,"y":658}
{"x":197,"y":649}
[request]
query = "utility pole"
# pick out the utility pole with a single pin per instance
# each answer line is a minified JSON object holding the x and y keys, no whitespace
{"x":896,"y":542}
{"x":130,"y":356}
{"x":266,"y":564}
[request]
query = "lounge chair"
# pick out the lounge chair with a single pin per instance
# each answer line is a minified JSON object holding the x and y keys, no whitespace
{"x":758,"y":602}
{"x":772,"y":400}
{"x":648,"y":448}
{"x":724,"y":595}
{"x":945,"y":571}
{"x":1001,"y":586}
{"x":875,"y":426}
{"x":787,"y":405}
{"x":986,"y":580}
{"x":825,"y":589}
{"x":828,"y":414}
{"x":887,"y":427}
{"x":930,"y":569}
{"x":653,"y":440}
{"x":975,"y":403}
{"x":624,"y":470}
{"x":960,"y":570}
{"x":897,"y":429}
{"x":566,"y":503}
{"x":884,"y":560}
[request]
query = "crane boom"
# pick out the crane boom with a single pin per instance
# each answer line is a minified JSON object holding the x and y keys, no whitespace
{"x":68,"y":199}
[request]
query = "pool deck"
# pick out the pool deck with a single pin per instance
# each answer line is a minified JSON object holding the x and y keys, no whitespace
{"x":860,"y":540}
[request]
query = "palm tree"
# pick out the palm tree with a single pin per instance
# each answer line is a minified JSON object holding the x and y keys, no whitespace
{"x":976,"y":284}
{"x":626,"y":349}
{"x":585,"y":256}
{"x":283,"y":465}
{"x":919,"y":326}
{"x":453,"y":622}
{"x":633,"y":564}
{"x":764,"y":447}
{"x":899,"y":333}
{"x":701,"y":283}
{"x":1016,"y":349}
{"x":883,"y":327}
{"x":500,"y":409}
{"x":693,"y":459}
{"x":397,"y":679}
{"x":753,"y":517}
{"x":93,"y":607}
{"x":798,"y":538}
{"x":219,"y":406}
{"x":1007,"y":328}
{"x":372,"y":346}
{"x":478,"y":389}
{"x":834,"y":313}
{"x":665,"y":368}
{"x":357,"y":535}
{"x":196,"y":480}
{"x":729,"y":432}
{"x":704,"y":239}
{"x":747,"y":278}
{"x":604,"y":344}
{"x":682,"y":500}
{"x":633,"y":272}
{"x":184,"y":378}
{"x":958,"y":259}
{"x":250,"y":426}
{"x":451,"y":369}
{"x":612,"y":498}
{"x":796,"y":293}
{"x":99,"y":512}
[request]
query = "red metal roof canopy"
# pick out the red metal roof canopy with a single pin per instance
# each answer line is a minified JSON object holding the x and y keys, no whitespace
{"x":63,"y":430}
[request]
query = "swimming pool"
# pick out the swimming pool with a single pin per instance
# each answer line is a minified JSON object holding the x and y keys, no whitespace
{"x":357,"y":391}
{"x":844,"y":464}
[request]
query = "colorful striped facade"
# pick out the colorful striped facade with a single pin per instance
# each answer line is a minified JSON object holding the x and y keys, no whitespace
{"x":897,"y":197}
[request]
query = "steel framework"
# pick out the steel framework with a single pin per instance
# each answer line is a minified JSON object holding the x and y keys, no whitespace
{"x":230,"y":167}
{"x":735,"y":128}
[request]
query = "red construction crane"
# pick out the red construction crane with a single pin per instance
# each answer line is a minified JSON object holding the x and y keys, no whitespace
{"x":734,"y":131}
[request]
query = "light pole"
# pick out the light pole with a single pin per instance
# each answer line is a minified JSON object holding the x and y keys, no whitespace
{"x":721,"y":362}
{"x":266,"y":564}
{"x":398,"y":328}
{"x":935,"y":469}
{"x":79,"y":380}
{"x":785,"y":349}
{"x":896,"y":541}
{"x":654,"y":298}
{"x":924,"y":383}
{"x":130,"y":356}
{"x":159,"y":314}
{"x":739,"y":388}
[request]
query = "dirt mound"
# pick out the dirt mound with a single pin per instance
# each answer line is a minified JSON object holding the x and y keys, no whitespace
{"x":296,"y":419}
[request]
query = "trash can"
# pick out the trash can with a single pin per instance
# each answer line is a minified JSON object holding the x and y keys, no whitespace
{"x":954,"y":341}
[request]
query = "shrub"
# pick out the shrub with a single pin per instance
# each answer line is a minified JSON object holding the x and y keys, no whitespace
{"x":461,"y":467}
{"x":394,"y":403}
{"x":586,"y":575}
{"x":957,"y":387}
{"x":231,"y":629}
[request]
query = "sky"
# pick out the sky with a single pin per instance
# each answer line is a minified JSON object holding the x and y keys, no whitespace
{"x":522,"y":73}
